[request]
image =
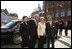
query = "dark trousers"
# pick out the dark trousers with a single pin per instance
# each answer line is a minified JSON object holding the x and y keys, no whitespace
{"x":66,"y":32}
{"x":32,"y":43}
{"x":42,"y":41}
{"x":56,"y":33}
{"x":60,"y":31}
{"x":50,"y":40}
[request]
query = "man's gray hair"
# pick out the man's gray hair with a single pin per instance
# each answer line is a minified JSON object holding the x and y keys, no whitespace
{"x":36,"y":15}
{"x":49,"y":16}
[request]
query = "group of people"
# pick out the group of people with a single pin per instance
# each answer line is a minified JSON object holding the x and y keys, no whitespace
{"x":37,"y":28}
{"x":66,"y":26}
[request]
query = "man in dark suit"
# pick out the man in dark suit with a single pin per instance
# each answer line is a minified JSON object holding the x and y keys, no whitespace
{"x":61,"y":26}
{"x":67,"y":26}
{"x":50,"y":31}
{"x":33,"y":30}
{"x":56,"y":27}
{"x":33,"y":33}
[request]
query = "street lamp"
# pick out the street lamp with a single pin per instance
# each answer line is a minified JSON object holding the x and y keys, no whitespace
{"x":46,"y":11}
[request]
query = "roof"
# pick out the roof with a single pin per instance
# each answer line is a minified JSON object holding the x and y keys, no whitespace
{"x":5,"y":11}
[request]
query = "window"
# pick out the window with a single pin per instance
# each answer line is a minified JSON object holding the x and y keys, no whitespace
{"x":62,"y":14}
{"x":57,"y":15}
{"x":52,"y":14}
{"x":69,"y":13}
{"x":10,"y":24}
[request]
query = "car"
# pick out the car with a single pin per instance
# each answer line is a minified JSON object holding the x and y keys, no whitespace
{"x":10,"y":32}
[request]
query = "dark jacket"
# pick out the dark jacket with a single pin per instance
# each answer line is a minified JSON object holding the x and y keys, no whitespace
{"x":61,"y":25}
{"x":33,"y":29}
{"x":56,"y":25}
{"x":50,"y":31}
{"x":24,"y":31}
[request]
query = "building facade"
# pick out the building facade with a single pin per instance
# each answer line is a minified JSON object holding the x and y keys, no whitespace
{"x":7,"y":17}
{"x":37,"y":11}
{"x":59,"y":10}
{"x":14,"y":16}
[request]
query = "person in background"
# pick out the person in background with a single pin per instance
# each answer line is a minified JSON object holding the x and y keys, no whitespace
{"x":67,"y":26}
{"x":56,"y":27}
{"x":24,"y":33}
{"x":50,"y":31}
{"x":41,"y":32}
{"x":61,"y":26}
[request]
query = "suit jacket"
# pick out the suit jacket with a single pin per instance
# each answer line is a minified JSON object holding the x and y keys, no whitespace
{"x":24,"y":31}
{"x":33,"y":29}
{"x":61,"y":25}
{"x":56,"y":27}
{"x":50,"y":30}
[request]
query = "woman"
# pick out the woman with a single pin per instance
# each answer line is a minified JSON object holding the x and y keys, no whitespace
{"x":24,"y":33}
{"x":41,"y":32}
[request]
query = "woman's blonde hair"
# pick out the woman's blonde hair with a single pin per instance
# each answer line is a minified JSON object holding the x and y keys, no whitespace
{"x":42,"y":18}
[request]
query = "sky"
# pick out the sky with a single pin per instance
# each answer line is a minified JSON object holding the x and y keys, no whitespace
{"x":21,"y":7}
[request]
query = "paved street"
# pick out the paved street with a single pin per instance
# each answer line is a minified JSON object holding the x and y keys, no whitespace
{"x":62,"y":42}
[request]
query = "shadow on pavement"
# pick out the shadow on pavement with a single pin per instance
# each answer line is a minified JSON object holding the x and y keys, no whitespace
{"x":67,"y":36}
{"x":67,"y":44}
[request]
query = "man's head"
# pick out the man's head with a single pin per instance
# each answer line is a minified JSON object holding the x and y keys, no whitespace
{"x":49,"y":18}
{"x":36,"y":16}
{"x":25,"y":18}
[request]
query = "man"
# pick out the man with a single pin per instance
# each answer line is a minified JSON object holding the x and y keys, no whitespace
{"x":50,"y":31}
{"x":33,"y":30}
{"x":56,"y":27}
{"x":36,"y":19}
{"x":67,"y":26}
{"x":61,"y":26}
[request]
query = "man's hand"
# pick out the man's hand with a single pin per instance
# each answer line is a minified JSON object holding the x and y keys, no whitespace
{"x":20,"y":39}
{"x":55,"y":35}
{"x":46,"y":36}
{"x":38,"y":36}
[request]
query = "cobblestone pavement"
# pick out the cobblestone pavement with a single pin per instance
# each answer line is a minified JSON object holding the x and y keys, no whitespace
{"x":62,"y":42}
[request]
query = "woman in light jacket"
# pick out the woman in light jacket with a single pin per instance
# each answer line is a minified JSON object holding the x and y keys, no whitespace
{"x":41,"y":32}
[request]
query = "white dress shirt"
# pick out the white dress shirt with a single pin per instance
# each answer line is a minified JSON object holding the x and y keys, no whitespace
{"x":50,"y":22}
{"x":41,"y":29}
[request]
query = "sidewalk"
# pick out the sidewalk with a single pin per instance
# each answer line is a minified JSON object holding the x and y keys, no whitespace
{"x":62,"y":42}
